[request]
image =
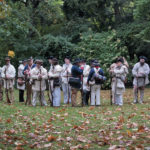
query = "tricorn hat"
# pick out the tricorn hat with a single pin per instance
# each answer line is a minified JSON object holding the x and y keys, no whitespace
{"x":30,"y":58}
{"x":25,"y":60}
{"x":67,"y":57}
{"x":55,"y":60}
{"x":143,"y":57}
{"x":77,"y":60}
{"x":38,"y":61}
{"x":96,"y":63}
{"x":120,"y":60}
{"x":50,"y":57}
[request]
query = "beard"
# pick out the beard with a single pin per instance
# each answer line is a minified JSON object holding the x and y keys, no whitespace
{"x":142,"y":63}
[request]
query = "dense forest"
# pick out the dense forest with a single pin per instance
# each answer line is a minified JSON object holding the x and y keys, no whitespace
{"x":99,"y":29}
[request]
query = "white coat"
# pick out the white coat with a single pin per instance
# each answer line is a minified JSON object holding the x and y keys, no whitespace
{"x":86,"y":72}
{"x":120,"y":73}
{"x":10,"y":72}
{"x":21,"y":75}
{"x":66,"y":69}
{"x":34,"y":73}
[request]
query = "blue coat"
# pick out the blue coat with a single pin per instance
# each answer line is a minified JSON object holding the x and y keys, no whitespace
{"x":92,"y":72}
{"x":26,"y":67}
{"x":76,"y":72}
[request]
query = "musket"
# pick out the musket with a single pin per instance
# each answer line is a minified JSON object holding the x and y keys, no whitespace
{"x":90,"y":95}
{"x":8,"y":100}
{"x":82,"y":90}
{"x":51,"y":93}
{"x":26,"y":80}
{"x":111,"y":96}
{"x":68,"y":87}
{"x":49,"y":98}
{"x":40,"y":88}
{"x":115,"y":89}
{"x":137,"y":90}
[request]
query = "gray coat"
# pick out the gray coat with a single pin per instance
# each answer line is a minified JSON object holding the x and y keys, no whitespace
{"x":140,"y":74}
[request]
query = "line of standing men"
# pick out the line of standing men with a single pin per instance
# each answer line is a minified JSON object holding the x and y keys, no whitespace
{"x":72,"y":78}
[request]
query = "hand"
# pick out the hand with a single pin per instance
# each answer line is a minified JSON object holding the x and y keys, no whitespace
{"x":87,"y":83}
{"x":82,"y":67}
{"x":7,"y":77}
{"x":40,"y":76}
{"x":111,"y":71}
{"x":26,"y":72}
{"x":141,"y":74}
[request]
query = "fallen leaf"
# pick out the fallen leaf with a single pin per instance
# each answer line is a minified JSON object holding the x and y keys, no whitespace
{"x":51,"y":138}
{"x":47,"y":145}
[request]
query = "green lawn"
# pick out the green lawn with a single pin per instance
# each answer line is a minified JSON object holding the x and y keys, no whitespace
{"x":127,"y":127}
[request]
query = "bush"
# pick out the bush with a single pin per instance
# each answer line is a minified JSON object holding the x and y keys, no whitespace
{"x":104,"y":47}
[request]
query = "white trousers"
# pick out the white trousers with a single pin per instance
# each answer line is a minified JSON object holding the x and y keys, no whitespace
{"x":118,"y":99}
{"x":95,"y":94}
{"x":56,"y":96}
{"x":65,"y":92}
{"x":36,"y":95}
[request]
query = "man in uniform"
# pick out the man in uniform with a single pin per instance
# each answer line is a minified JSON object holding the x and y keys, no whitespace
{"x":30,"y":65}
{"x":111,"y":71}
{"x":112,"y":76}
{"x":38,"y":76}
{"x":54,"y":77}
{"x":66,"y":73}
{"x":118,"y":86}
{"x":75,"y":80}
{"x":8,"y":75}
{"x":21,"y":80}
{"x":95,"y":79}
{"x":140,"y":72}
{"x":86,"y":88}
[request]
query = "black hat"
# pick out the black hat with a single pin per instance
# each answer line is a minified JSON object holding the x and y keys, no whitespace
{"x":67,"y":57}
{"x":39,"y":61}
{"x":96,"y":63}
{"x":25,"y":60}
{"x":143,"y":57}
{"x":7,"y":58}
{"x":77,"y":60}
{"x":120,"y":60}
{"x":30,"y":58}
{"x":50,"y":57}
{"x":55,"y":60}
{"x":83,"y":60}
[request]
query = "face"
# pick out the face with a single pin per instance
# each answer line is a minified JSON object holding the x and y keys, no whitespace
{"x":142,"y":61}
{"x":7,"y":62}
{"x":25,"y":63}
{"x":50,"y":61}
{"x":38,"y":65}
{"x":119,"y":63}
{"x":67,"y":61}
{"x":83,"y":63}
{"x":30,"y":62}
{"x":80,"y":63}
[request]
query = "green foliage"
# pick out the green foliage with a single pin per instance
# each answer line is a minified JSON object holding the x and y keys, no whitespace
{"x":58,"y":47}
{"x":104,"y":47}
{"x":142,"y":10}
{"x":142,"y":14}
{"x":100,"y":29}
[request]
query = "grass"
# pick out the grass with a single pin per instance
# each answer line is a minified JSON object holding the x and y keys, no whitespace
{"x":104,"y":127}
